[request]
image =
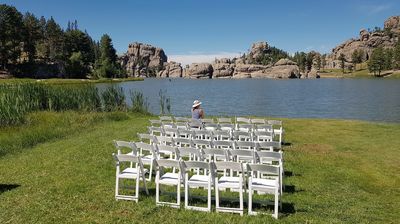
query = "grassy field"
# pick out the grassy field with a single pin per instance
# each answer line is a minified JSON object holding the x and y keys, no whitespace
{"x":337,"y":172}
{"x":361,"y":72}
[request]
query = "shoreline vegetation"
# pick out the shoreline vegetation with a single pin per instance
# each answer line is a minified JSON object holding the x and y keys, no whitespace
{"x":336,"y":171}
{"x":70,"y":81}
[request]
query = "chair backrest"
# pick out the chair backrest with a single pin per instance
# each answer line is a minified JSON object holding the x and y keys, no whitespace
{"x":145,"y":148}
{"x":201,"y":143}
{"x":264,"y":127}
{"x":166,"y":149}
{"x":126,"y":158}
{"x":274,"y":122}
{"x":242,"y":135}
{"x":181,"y":119}
{"x":184,"y":133}
{"x":243,"y":120}
{"x":224,"y":120}
{"x":188,"y":165}
{"x":183,"y":142}
{"x":144,"y":137}
{"x":263,"y":168}
{"x":240,"y":155}
{"x":168,"y":124}
{"x":183,"y":152}
{"x":212,"y":153}
{"x":195,"y":124}
{"x":226,"y":126}
{"x":168,"y":163}
{"x":166,"y":118}
{"x":269,"y":156}
{"x":222,"y":144}
{"x":125,"y":146}
{"x":228,"y":165}
{"x":181,"y":125}
{"x":171,"y":132}
{"x":258,"y":121}
{"x":272,"y":145}
{"x":222,"y":135}
{"x":211,"y":126}
{"x":247,"y":145}
{"x":245,"y":127}
{"x":262,"y":136}
{"x":163,"y":140}
{"x":155,"y":130}
{"x":207,"y":120}
{"x":202,"y":134}
{"x":155,"y":122}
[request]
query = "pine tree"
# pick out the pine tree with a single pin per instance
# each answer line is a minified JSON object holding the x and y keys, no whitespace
{"x":107,"y":63}
{"x":342,"y":60}
{"x":396,"y":55}
{"x":11,"y":34}
{"x":32,"y":35}
{"x":377,"y":61}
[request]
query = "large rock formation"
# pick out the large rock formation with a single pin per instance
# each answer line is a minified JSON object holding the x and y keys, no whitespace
{"x":171,"y":70}
{"x":143,"y":60}
{"x":199,"y":70}
{"x":367,"y":42}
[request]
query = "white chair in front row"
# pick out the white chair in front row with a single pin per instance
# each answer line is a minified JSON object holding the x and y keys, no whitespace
{"x":235,"y":183}
{"x":169,"y":179}
{"x":136,"y":172}
{"x":198,"y":180}
{"x":265,"y":185}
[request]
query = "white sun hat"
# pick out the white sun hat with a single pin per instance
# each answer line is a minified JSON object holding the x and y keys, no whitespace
{"x":196,"y":103}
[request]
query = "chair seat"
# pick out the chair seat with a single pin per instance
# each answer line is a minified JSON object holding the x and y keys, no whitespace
{"x":229,"y":182}
{"x":169,"y":179}
{"x":130,"y":173}
{"x":198,"y":180}
{"x":266,"y":185}
{"x":147,"y":159}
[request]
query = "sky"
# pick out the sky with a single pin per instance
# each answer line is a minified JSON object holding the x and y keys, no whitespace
{"x":202,"y":30}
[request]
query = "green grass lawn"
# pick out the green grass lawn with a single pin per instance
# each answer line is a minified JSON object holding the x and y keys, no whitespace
{"x":337,"y":172}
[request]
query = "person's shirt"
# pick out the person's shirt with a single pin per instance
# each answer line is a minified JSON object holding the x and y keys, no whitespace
{"x":196,"y":113}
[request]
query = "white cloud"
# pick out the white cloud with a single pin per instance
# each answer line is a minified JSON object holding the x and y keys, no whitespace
{"x":186,"y":59}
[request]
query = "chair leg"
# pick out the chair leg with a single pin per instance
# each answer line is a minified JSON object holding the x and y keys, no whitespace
{"x":276,"y":208}
{"x":209,"y":197}
{"x":241,"y":199}
{"x":157,"y":187}
{"x":186,"y":192}
{"x":178,"y":194}
{"x":137,"y":187}
{"x":250,"y":199}
{"x":116,"y":186}
{"x":216,"y":194}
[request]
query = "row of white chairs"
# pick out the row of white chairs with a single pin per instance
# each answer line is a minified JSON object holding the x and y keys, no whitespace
{"x":241,"y":124}
{"x":208,"y":179}
{"x":223,"y":135}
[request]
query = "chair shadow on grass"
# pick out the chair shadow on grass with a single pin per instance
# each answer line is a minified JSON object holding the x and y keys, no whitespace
{"x":201,"y":200}
{"x":8,"y":187}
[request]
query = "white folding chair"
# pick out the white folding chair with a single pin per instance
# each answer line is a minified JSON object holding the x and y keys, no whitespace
{"x":269,"y":185}
{"x":227,"y":126}
{"x":156,"y":131}
{"x":194,"y":124}
{"x":183,"y":142}
{"x":264,"y":127}
{"x":168,"y":178}
{"x":171,"y":132}
{"x":146,"y":138}
{"x":257,"y":121}
{"x":246,"y":145}
{"x":242,"y":135}
{"x":207,"y":120}
{"x":269,"y":146}
{"x":148,"y":153}
{"x":189,"y":154}
{"x":135,"y":173}
{"x":271,"y":158}
{"x":202,"y":144}
{"x":211,"y":126}
{"x":166,"y":119}
{"x":204,"y":180}
{"x":235,"y":183}
{"x":203,"y":134}
{"x":163,"y":140}
{"x":278,"y":128}
{"x":262,"y":136}
{"x":221,"y":135}
{"x":180,"y":119}
{"x":245,"y":127}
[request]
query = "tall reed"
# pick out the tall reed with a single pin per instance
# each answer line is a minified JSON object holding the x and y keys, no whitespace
{"x":139,"y":102}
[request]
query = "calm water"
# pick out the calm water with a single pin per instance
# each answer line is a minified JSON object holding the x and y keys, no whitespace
{"x":362,"y":99}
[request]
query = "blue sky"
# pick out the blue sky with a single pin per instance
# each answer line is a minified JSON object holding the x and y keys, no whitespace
{"x":199,"y":30}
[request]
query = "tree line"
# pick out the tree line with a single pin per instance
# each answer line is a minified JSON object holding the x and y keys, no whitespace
{"x":30,"y":45}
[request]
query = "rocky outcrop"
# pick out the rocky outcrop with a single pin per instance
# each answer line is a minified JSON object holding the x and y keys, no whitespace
{"x":257,"y":50}
{"x":223,"y":70}
{"x":171,"y":70}
{"x":367,"y":42}
{"x":143,"y":60}
{"x":199,"y":70}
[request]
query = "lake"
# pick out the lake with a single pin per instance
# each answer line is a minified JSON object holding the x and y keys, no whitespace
{"x":361,"y":99}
